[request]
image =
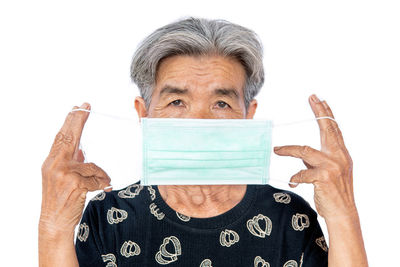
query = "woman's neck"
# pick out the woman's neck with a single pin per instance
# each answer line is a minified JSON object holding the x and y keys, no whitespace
{"x":202,"y":201}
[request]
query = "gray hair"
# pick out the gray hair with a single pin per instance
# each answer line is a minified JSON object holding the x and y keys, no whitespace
{"x":198,"y":36}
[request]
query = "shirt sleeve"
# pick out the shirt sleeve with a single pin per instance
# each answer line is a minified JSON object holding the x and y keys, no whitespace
{"x":87,"y":245}
{"x":316,"y":249}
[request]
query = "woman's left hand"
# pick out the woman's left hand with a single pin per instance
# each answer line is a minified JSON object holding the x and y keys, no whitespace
{"x":329,"y":169}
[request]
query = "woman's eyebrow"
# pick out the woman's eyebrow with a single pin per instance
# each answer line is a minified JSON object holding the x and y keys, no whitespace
{"x":230,"y":92}
{"x":173,"y":90}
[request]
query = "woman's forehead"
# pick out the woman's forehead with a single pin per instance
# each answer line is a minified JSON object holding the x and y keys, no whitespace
{"x":189,"y":72}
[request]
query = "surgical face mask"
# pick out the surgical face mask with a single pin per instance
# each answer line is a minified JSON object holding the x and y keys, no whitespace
{"x":205,"y":151}
{"x":178,"y":151}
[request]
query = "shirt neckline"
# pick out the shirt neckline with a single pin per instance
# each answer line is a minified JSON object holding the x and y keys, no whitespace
{"x":219,"y":221}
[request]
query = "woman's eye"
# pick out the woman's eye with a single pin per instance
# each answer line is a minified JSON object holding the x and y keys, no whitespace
{"x":176,"y":102}
{"x":222,"y":104}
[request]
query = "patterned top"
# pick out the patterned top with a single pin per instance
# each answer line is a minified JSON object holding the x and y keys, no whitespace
{"x":135,"y":227}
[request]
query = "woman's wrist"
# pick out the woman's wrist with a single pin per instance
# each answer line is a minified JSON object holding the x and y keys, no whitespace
{"x":51,"y":233}
{"x":56,"y":246}
{"x":349,"y":214}
{"x":346,"y":245}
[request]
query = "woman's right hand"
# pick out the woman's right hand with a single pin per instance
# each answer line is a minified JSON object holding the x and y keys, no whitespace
{"x":66,"y":179}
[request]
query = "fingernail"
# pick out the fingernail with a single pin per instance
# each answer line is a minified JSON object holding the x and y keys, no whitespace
{"x":277,"y":148}
{"x":107,"y":187}
{"x":85,"y":106}
{"x":315,"y":99}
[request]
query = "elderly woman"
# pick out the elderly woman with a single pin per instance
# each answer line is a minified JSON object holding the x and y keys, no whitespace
{"x":204,"y":69}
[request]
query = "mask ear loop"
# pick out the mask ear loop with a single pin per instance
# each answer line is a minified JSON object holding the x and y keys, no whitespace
{"x":302,"y":121}
{"x":292,"y":123}
{"x":273,"y":124}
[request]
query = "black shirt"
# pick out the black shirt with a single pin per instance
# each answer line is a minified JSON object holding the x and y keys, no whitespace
{"x":136,"y":227}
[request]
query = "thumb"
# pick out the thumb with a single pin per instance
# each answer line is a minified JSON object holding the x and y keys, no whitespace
{"x":94,"y":183}
{"x":93,"y":177}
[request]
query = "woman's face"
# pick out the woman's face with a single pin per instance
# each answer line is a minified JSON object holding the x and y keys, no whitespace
{"x":203,"y":87}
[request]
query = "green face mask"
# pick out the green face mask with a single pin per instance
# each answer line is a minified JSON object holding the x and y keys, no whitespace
{"x":205,"y":151}
{"x":179,"y":151}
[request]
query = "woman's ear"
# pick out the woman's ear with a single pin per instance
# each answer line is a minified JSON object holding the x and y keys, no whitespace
{"x":252,"y":109}
{"x":140,"y":107}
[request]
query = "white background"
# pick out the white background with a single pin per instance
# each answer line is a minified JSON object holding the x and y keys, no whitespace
{"x":55,"y":55}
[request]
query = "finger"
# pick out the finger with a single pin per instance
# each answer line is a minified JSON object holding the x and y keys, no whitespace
{"x":328,"y":109}
{"x":330,"y":114}
{"x":308,"y":154}
{"x":63,"y":139}
{"x":328,"y":132}
{"x":89,"y":170}
{"x":307,"y":165}
{"x":79,"y":156}
{"x":94,"y":183}
{"x":67,"y":139}
{"x":304,"y":177}
{"x":93,"y":177}
{"x":79,"y":123}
